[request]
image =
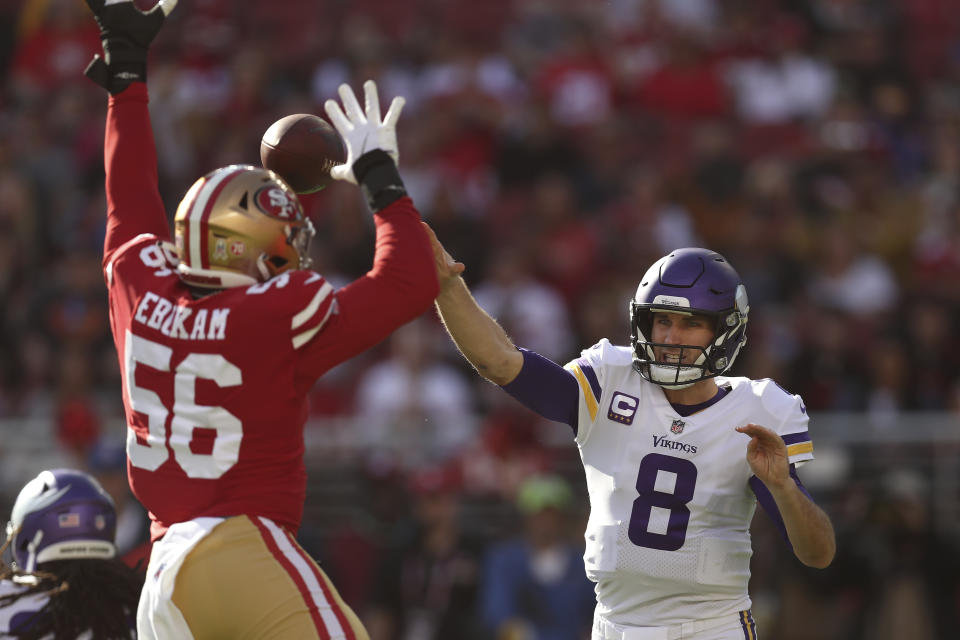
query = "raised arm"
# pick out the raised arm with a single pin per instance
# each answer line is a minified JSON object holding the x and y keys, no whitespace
{"x":540,"y":384}
{"x":134,"y":205}
{"x":402,"y":283}
{"x":400,"y":286}
{"x":480,"y":339}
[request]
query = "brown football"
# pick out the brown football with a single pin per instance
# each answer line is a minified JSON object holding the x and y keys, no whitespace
{"x":302,"y":148}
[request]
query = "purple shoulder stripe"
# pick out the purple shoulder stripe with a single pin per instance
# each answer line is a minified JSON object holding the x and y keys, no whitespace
{"x":591,"y":376}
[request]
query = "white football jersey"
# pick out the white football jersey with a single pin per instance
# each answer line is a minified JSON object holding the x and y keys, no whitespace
{"x":18,"y":613}
{"x":668,"y":539}
{"x":20,"y":610}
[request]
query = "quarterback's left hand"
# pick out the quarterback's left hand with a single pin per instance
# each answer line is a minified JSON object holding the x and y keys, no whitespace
{"x":767,"y":456}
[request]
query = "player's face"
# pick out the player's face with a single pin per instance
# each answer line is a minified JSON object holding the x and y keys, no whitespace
{"x":680,"y":329}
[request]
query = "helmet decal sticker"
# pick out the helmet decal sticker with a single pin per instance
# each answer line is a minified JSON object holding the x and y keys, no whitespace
{"x":671,"y":301}
{"x":276,"y":203}
{"x":220,"y":249}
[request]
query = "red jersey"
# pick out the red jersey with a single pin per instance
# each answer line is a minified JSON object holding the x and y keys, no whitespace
{"x":215,"y":387}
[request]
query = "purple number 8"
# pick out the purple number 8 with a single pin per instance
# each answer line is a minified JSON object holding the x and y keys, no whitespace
{"x":676,"y":502}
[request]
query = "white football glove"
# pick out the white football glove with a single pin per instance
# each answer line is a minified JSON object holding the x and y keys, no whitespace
{"x":363,"y":131}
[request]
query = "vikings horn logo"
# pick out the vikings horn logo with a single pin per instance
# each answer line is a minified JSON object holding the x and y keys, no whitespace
{"x":276,"y":203}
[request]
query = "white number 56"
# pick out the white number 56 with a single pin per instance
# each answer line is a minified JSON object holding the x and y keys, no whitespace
{"x":187,"y":414}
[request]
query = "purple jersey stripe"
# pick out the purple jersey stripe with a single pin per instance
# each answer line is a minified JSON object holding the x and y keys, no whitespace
{"x":591,"y":375}
{"x":546,"y":388}
{"x":685,"y":410}
{"x":744,"y":627}
{"x":794,"y":438}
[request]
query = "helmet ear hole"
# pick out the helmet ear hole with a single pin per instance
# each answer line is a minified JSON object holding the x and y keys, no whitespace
{"x":278,"y":261}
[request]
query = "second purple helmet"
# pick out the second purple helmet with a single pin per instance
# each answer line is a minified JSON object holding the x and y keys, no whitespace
{"x":61,"y":514}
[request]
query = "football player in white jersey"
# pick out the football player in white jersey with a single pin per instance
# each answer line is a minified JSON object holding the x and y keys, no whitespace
{"x":676,"y":454}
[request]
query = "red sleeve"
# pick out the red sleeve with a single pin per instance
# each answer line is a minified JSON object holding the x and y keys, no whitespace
{"x":401,"y":285}
{"x":134,"y":206}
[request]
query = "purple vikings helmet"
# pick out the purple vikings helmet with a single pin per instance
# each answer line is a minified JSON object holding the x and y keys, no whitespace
{"x":689,"y":281}
{"x":61,"y":515}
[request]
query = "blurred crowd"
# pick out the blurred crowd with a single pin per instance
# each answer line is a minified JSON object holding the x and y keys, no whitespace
{"x":557,"y":147}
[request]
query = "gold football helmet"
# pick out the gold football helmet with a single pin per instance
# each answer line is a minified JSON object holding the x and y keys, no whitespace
{"x":240,"y":225}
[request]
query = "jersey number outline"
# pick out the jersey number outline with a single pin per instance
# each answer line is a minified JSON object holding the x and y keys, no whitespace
{"x":685,"y":473}
{"x":151,"y":452}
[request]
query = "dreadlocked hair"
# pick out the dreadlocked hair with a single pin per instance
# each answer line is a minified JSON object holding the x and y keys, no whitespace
{"x":95,"y":595}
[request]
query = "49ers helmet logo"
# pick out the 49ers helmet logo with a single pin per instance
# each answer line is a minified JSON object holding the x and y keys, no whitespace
{"x":277,"y":203}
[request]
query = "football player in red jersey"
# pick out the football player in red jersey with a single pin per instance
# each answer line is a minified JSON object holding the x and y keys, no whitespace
{"x":219,"y":340}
